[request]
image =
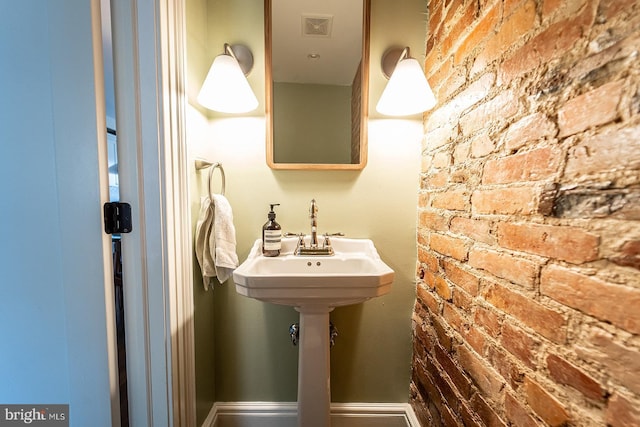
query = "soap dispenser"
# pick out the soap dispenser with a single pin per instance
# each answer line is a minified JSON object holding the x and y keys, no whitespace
{"x":271,"y":234}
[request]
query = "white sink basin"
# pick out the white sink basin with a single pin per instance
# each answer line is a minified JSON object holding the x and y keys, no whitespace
{"x":353,"y":275}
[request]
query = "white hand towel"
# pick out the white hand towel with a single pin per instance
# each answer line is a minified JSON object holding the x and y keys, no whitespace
{"x":215,"y":240}
{"x":224,"y":237}
{"x":204,"y":253}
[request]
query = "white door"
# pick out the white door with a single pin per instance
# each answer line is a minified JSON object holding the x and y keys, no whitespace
{"x":56,"y":301}
{"x":56,"y":307}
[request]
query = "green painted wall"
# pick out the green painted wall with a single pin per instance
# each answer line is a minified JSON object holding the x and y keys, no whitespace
{"x":243,"y":351}
{"x":198,"y":61}
{"x":301,"y":114}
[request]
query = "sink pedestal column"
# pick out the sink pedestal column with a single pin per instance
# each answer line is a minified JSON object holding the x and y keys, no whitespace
{"x":314,"y":391}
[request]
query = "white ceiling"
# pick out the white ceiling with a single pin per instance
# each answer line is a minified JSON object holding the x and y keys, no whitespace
{"x":339,"y":53}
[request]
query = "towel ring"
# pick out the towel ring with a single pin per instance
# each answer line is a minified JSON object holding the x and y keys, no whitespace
{"x":203,"y":164}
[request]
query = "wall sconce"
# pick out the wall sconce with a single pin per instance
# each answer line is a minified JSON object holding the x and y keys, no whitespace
{"x":226,"y":88}
{"x":408,"y":91}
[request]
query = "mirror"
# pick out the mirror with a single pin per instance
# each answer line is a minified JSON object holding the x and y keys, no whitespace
{"x":317,"y":83}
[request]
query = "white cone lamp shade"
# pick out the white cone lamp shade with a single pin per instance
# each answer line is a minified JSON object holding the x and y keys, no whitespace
{"x":226,"y":88}
{"x":407,"y":92}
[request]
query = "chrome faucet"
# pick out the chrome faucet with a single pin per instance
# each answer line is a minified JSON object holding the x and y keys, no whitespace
{"x":313,"y":214}
{"x":314,"y":248}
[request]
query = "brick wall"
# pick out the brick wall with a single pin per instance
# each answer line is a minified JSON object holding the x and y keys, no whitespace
{"x":528,"y":290}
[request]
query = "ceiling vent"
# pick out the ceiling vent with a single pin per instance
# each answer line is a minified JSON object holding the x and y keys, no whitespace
{"x":317,"y":25}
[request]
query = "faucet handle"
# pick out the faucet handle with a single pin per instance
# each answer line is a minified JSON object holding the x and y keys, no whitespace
{"x":289,"y":234}
{"x":327,"y":242}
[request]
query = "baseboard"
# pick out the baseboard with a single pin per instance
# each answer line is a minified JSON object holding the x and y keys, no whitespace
{"x":284,"y":414}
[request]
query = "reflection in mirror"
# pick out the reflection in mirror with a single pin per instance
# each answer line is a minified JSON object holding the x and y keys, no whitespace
{"x":316,"y":56}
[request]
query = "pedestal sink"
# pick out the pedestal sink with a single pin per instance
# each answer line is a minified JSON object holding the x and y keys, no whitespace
{"x":314,"y":285}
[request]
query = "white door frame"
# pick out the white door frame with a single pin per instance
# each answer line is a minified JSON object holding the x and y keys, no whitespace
{"x":149,"y":73}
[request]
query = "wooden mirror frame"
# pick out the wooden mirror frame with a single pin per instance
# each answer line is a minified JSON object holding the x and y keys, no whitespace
{"x":364,"y":100}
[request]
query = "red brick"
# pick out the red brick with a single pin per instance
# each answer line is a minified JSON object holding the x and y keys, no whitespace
{"x":564,"y":372}
{"x":484,"y":377}
{"x":518,"y":343}
{"x":486,"y":412}
{"x":552,"y":43}
{"x":443,"y":336}
{"x":570,"y":244}
{"x":523,"y":60}
{"x":424,"y":384}
{"x":482,"y":145}
{"x":488,"y":320}
{"x":428,"y":259}
{"x":441,"y":160}
{"x":505,"y":266}
{"x":423,"y":342}
{"x":629,"y":254}
{"x":425,"y":164}
{"x":423,"y":200}
{"x":442,"y":384}
{"x":463,"y":385}
{"x":533,"y":165}
{"x":465,"y":21}
{"x":564,"y":7}
{"x":455,"y":200}
{"x":530,"y":128}
{"x":505,"y":201}
{"x":516,"y":413}
{"x":433,"y":57}
{"x":427,"y":299}
{"x":609,"y":9}
{"x":438,"y":136}
{"x":593,"y":296}
{"x":418,"y":405}
{"x":449,"y":418}
{"x":620,"y":362}
{"x":513,"y":29}
{"x":444,"y":387}
{"x":461,"y":278}
{"x":437,"y":76}
{"x":464,"y":176}
{"x":468,"y":417}
{"x":480,"y":31}
{"x":475,"y":339}
{"x":435,"y":15}
{"x":591,"y":109}
{"x":502,"y":107}
{"x":505,"y":365}
{"x":614,"y":150}
{"x":422,"y":239}
{"x":472,"y":94}
{"x":452,"y":317}
{"x":462,"y":300}
{"x":550,"y":6}
{"x":461,"y":152}
{"x":436,"y":180}
{"x":432,"y":221}
{"x":479,"y":230}
{"x":449,"y":246}
{"x":452,"y":9}
{"x":441,"y":287}
{"x":544,"y":404}
{"x":417,"y":322}
{"x":622,"y":413}
{"x":545,"y":321}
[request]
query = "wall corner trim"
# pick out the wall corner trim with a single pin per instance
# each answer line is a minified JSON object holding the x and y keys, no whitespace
{"x":283,"y":414}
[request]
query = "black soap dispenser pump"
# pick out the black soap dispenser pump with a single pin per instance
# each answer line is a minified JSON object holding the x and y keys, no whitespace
{"x":271,"y":234}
